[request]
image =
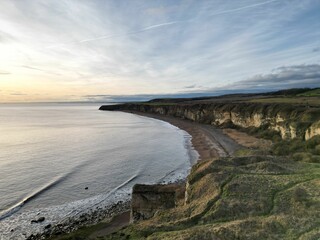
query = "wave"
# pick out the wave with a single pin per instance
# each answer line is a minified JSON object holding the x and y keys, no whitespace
{"x":79,"y":211}
{"x":177,"y":174}
{"x":16,"y":207}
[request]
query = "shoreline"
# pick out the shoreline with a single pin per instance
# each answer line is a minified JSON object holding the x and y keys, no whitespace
{"x":204,"y":138}
{"x":203,"y":141}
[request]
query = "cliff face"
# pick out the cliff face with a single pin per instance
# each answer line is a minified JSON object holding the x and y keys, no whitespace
{"x":289,"y":120}
{"x":148,"y":199}
{"x":313,"y":130}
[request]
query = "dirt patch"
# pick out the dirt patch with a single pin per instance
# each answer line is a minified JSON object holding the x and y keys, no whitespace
{"x":246,"y":140}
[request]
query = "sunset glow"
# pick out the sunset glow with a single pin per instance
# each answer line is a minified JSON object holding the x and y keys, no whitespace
{"x":100,"y":50}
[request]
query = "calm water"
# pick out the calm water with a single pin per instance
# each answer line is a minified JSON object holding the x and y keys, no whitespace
{"x":49,"y":154}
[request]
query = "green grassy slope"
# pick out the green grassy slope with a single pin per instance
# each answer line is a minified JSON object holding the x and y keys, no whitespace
{"x":311,"y":93}
{"x":241,"y":198}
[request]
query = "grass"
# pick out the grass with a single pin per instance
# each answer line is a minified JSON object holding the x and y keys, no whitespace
{"x":245,"y":152}
{"x":299,"y":150}
{"x":241,"y":198}
{"x":312,"y":93}
{"x":249,"y":197}
{"x":156,"y":103}
{"x":272,"y":196}
{"x":312,"y":100}
{"x":263,"y":132}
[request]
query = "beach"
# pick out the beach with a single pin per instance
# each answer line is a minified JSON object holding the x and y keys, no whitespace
{"x":210,"y":143}
{"x":207,"y":140}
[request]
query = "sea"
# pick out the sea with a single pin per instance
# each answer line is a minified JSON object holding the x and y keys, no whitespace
{"x":60,"y":160}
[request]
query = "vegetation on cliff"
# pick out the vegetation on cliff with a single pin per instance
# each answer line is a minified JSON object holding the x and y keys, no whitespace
{"x":285,"y":112}
{"x":269,"y":193}
{"x":257,"y":197}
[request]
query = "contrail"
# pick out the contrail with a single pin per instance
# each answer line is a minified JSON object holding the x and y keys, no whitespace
{"x":162,"y":25}
{"x":241,"y":8}
{"x":99,"y":38}
{"x":121,"y":35}
{"x":133,"y":32}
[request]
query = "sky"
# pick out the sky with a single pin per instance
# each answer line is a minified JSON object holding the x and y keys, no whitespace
{"x":111,"y":50}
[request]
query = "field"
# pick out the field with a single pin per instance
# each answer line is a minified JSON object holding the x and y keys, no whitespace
{"x":307,"y":101}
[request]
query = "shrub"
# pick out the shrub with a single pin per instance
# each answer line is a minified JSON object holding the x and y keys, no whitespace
{"x":315,"y":159}
{"x":297,"y":145}
{"x":300,"y":195}
{"x":302,"y":157}
{"x":281,"y":148}
{"x":313,"y":142}
{"x":317,"y":150}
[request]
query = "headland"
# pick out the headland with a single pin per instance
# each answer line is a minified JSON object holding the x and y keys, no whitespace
{"x":258,"y":177}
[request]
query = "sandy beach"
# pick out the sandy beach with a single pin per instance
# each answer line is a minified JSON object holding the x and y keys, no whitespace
{"x":208,"y":141}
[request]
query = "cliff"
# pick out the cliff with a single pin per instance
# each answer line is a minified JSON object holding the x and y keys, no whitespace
{"x":289,"y":120}
{"x":251,"y":197}
{"x":261,"y":197}
{"x":147,"y":200}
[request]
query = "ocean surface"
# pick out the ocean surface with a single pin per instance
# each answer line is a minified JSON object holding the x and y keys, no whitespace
{"x":50,"y":154}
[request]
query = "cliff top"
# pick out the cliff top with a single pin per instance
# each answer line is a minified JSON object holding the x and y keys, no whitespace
{"x":291,"y":96}
{"x":241,"y":198}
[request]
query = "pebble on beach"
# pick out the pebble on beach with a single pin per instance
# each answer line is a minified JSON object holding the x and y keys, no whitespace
{"x":69,"y":225}
{"x":40,"y":219}
{"x":47,"y":226}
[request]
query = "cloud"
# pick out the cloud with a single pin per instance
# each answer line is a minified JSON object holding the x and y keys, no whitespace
{"x":296,"y":76}
{"x":5,"y":37}
{"x":162,"y":10}
{"x":18,"y":94}
{"x":4,"y":73}
{"x":284,"y":77}
{"x":120,"y":98}
{"x":33,"y":68}
{"x":41,"y":70}
{"x":145,"y":97}
{"x":317,"y":49}
{"x":121,"y":48}
{"x":118,"y":35}
{"x":242,"y":8}
{"x":191,"y":86}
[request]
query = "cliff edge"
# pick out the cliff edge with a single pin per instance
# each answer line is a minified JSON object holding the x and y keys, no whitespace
{"x":262,"y":194}
{"x":261,"y":197}
{"x":291,"y":121}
